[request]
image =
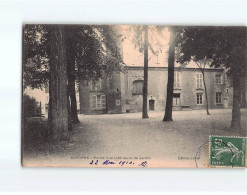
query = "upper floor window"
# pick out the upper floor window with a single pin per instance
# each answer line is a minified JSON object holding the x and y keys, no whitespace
{"x":218,"y":79}
{"x":199,"y":80}
{"x":138,"y":87}
{"x":176,"y":80}
{"x":96,"y":86}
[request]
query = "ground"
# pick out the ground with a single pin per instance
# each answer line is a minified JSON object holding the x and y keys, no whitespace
{"x":163,"y":144}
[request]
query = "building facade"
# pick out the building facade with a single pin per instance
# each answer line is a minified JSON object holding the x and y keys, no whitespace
{"x":104,"y":96}
{"x":122,"y":92}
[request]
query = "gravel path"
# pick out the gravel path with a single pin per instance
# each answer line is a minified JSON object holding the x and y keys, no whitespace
{"x":127,"y":135}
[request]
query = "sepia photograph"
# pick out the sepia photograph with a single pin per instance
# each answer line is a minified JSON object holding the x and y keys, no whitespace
{"x":134,"y":96}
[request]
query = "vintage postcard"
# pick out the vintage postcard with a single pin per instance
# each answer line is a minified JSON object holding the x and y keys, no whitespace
{"x":134,"y":96}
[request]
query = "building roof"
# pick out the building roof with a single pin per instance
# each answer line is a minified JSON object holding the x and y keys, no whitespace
{"x":153,"y":68}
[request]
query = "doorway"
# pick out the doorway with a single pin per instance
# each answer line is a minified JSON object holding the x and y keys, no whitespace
{"x":151,"y":104}
{"x":176,"y":99}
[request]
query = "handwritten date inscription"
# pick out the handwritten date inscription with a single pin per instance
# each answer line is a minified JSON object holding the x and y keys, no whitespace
{"x":121,"y":163}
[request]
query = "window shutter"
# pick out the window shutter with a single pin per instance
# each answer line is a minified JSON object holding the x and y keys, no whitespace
{"x":202,"y":80}
{"x":180,"y":80}
{"x":103,"y":101}
{"x":195,"y":80}
{"x":93,"y":100}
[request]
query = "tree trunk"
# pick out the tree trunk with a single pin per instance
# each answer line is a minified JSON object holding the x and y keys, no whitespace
{"x":243,"y":91}
{"x":243,"y":99}
{"x":236,"y":116}
{"x":170,"y":83}
{"x":73,"y":104}
{"x":58,"y":102}
{"x":71,"y":77}
{"x":145,"y":84}
{"x":71,"y":84}
{"x":69,"y":111}
{"x":206,"y":94}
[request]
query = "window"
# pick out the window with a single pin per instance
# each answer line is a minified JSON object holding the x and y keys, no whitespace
{"x":95,"y":86}
{"x":227,"y":91}
{"x":218,"y":98}
{"x":176,"y":80}
{"x":138,"y":87}
{"x":199,"y":80}
{"x":98,"y":102}
{"x":98,"y":86}
{"x":199,"y":99}
{"x":103,"y":101}
{"x":218,"y":79}
{"x":94,"y":100}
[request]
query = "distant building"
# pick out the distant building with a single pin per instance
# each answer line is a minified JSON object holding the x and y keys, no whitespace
{"x":122,"y":92}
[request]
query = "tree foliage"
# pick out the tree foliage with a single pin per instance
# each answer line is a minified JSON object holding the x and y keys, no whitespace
{"x":94,"y":47}
{"x":221,"y":47}
{"x":138,"y":39}
{"x":35,"y":56}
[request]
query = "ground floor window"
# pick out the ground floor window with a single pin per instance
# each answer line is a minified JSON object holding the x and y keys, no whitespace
{"x":199,"y":98}
{"x":218,"y":98}
{"x":98,"y":101}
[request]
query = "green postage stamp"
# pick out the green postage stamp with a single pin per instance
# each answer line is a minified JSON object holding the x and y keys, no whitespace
{"x":227,"y":151}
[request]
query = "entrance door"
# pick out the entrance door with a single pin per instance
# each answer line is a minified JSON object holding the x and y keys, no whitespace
{"x":176,"y":99}
{"x":151,"y":104}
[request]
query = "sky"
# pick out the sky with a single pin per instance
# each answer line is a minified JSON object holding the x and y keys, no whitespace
{"x":159,"y":41}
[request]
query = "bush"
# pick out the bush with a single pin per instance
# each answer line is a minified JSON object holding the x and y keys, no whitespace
{"x":30,"y":107}
{"x":35,"y":132}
